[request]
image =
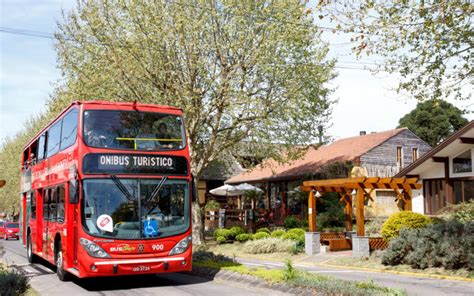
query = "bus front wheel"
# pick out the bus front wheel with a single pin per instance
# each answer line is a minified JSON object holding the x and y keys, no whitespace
{"x":60,"y":272}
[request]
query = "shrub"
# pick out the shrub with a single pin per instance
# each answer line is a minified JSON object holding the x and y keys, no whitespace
{"x":277,"y":233}
{"x":236,"y":230}
{"x":289,"y":273}
{"x":266,"y":230}
{"x":260,"y":235}
{"x":268,"y":245}
{"x":226,"y":233}
{"x":463,"y":212}
{"x":447,"y":244}
{"x":330,"y":212}
{"x":243,"y":237}
{"x":295,"y":234}
{"x":391,"y":228}
{"x":12,"y":282}
{"x":221,"y":239}
{"x":292,"y":222}
{"x":373,"y":228}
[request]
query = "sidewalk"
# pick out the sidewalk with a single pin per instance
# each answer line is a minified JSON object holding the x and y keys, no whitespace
{"x":413,"y":284}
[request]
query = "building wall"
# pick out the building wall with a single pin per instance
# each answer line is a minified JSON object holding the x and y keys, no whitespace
{"x":382,"y":160}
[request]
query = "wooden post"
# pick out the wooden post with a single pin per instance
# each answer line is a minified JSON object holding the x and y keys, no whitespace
{"x":448,"y":186}
{"x":348,"y":211}
{"x":360,"y":212}
{"x":407,"y":194}
{"x":312,"y":211}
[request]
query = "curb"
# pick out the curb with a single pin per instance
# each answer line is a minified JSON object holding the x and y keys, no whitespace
{"x":249,"y":280}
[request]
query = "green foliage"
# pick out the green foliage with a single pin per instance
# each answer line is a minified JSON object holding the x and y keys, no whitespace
{"x":373,"y":228}
{"x":289,"y":272}
{"x":277,"y":233}
{"x":433,"y":120}
{"x":267,"y":245}
{"x":266,"y":230}
{"x":330,"y":212}
{"x":260,"y":235}
{"x":295,"y":234}
{"x":243,"y":237}
{"x":463,"y":212}
{"x":226,"y":233}
{"x":234,"y":231}
{"x":292,"y":222}
{"x":447,"y":244}
{"x":12,"y":282}
{"x":405,"y":219}
{"x":221,"y":239}
{"x":212,"y":205}
{"x":428,"y":43}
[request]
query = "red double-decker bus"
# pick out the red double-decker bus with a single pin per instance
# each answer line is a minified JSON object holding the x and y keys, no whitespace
{"x":107,"y":190}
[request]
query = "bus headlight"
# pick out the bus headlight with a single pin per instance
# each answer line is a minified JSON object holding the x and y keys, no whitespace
{"x":93,"y":249}
{"x":182,"y":246}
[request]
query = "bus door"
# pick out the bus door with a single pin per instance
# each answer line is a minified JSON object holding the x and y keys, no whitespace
{"x":45,"y":228}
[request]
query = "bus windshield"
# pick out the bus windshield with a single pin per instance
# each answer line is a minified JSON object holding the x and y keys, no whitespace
{"x":128,"y":209}
{"x":133,"y":130}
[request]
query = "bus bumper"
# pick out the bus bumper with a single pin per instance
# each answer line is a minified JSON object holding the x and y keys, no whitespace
{"x":110,"y":267}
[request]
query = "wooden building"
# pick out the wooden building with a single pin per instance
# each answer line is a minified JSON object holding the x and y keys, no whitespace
{"x":381,"y":154}
{"x":446,"y":172}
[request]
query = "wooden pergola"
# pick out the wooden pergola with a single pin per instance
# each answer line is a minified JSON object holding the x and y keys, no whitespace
{"x":363,"y":187}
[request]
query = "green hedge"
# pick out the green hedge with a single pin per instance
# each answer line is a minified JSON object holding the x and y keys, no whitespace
{"x":405,"y":219}
{"x":243,"y":237}
{"x":260,"y":235}
{"x":447,"y":244}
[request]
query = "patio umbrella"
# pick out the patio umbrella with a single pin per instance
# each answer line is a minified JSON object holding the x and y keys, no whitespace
{"x":226,"y":190}
{"x":248,"y":187}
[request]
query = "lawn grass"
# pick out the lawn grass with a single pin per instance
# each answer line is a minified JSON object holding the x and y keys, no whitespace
{"x":304,"y":279}
{"x":374,"y":262}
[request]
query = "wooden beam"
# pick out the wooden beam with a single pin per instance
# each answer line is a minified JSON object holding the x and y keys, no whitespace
{"x":348,"y":212}
{"x":360,"y":212}
{"x":407,"y":205}
{"x":333,"y":182}
{"x":466,"y":140}
{"x":312,"y":212}
{"x":439,"y":159}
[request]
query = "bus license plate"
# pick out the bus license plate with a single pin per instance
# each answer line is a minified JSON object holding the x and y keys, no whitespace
{"x":141,"y":268}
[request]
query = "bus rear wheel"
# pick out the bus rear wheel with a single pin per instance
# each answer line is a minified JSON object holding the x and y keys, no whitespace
{"x":62,"y":274}
{"x":29,"y":250}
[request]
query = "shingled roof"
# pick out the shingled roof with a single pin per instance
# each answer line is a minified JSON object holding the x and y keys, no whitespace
{"x":347,"y":149}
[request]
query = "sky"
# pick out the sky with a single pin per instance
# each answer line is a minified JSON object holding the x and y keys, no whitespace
{"x":28,"y":73}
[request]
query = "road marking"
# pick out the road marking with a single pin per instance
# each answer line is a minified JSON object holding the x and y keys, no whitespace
{"x":331,"y":271}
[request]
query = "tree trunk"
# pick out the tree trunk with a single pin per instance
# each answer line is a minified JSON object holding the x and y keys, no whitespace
{"x":198,"y":234}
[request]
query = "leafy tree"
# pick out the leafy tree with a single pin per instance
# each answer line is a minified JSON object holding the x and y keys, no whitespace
{"x":241,"y":70}
{"x":433,"y":120}
{"x":428,"y":43}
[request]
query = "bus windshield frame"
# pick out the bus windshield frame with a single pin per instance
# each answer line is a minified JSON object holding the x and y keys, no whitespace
{"x":132,"y":205}
{"x":133,"y":130}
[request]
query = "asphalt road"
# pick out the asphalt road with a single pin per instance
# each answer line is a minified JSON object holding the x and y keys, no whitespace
{"x":44,"y":280}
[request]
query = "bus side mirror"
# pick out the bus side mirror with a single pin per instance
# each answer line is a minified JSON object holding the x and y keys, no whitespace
{"x":194,"y":189}
{"x":73,"y":192}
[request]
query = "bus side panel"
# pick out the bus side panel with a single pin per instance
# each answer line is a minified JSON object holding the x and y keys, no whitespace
{"x":69,"y":244}
{"x":37,"y":237}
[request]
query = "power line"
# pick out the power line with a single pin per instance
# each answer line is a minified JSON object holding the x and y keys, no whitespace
{"x":45,"y":35}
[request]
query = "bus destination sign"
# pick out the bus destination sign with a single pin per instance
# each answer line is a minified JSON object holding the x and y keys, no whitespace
{"x":98,"y":163}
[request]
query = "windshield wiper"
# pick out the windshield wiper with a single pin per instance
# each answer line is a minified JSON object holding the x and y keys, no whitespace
{"x":155,"y":193}
{"x":121,"y":187}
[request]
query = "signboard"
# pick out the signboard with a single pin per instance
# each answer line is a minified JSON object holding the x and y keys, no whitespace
{"x":109,"y":163}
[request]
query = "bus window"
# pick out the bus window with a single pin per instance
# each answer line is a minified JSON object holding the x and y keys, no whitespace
{"x":54,"y":139}
{"x":69,"y":129}
{"x":60,"y":207}
{"x":41,"y":147}
{"x":46,"y":204}
{"x":33,"y":205}
{"x":53,"y":198}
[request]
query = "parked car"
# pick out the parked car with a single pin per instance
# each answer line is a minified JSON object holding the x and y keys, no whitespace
{"x":9,"y":230}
